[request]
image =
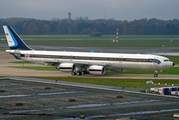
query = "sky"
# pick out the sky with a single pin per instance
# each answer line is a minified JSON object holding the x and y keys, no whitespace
{"x":93,"y":9}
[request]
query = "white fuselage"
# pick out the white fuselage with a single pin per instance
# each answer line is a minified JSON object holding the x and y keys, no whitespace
{"x":112,"y":61}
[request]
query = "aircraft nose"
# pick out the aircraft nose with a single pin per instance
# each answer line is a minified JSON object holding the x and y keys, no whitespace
{"x":173,"y":64}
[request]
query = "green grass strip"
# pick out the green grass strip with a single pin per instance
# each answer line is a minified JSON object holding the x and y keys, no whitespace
{"x":127,"y":83}
{"x":22,"y":62}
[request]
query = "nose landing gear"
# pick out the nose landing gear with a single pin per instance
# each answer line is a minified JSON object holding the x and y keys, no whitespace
{"x":156,"y":73}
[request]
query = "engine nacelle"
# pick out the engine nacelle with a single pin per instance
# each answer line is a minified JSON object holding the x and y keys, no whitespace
{"x":96,"y":70}
{"x":66,"y":67}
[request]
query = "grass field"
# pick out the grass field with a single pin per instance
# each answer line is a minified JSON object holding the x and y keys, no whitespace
{"x":104,"y":41}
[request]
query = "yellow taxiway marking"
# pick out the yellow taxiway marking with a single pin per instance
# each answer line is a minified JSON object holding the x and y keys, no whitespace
{"x":133,"y":76}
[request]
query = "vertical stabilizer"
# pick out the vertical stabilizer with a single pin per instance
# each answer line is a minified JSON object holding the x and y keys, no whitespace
{"x":13,"y":39}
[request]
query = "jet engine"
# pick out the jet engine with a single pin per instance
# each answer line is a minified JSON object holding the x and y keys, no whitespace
{"x":66,"y":67}
{"x":96,"y":70}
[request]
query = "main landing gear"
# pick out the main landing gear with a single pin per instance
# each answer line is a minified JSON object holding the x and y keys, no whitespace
{"x":79,"y":73}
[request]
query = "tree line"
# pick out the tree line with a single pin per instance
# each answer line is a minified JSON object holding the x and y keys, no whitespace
{"x":143,"y":26}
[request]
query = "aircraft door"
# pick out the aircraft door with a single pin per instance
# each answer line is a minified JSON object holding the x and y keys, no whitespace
{"x":71,"y":57}
{"x":31,"y":55}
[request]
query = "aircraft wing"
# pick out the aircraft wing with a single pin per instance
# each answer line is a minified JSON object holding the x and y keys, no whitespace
{"x":54,"y":62}
{"x":77,"y":62}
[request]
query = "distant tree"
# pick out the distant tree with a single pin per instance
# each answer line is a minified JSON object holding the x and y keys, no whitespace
{"x":86,"y":31}
{"x":82,"y":25}
{"x":55,"y":19}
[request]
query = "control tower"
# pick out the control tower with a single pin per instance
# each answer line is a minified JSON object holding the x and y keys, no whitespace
{"x":69,"y":17}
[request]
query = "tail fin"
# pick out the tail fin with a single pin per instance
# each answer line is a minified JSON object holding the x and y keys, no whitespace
{"x":13,"y":39}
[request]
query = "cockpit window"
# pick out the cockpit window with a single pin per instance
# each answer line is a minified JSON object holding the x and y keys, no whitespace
{"x":166,"y":60}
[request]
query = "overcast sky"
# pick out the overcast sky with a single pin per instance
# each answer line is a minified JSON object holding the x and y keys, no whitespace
{"x":93,"y":9}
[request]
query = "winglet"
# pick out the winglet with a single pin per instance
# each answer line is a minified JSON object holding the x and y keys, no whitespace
{"x":13,"y":39}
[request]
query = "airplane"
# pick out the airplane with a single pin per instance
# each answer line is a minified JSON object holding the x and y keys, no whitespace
{"x":80,"y":63}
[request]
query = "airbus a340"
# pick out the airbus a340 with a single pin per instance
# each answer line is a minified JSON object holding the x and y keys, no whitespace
{"x":80,"y":63}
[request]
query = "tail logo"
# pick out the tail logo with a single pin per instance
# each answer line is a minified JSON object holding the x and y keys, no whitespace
{"x":13,"y":39}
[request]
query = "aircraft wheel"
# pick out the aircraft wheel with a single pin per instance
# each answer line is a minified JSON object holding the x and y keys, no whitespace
{"x":82,"y":73}
{"x":73,"y":73}
{"x":155,"y":75}
{"x":86,"y":72}
{"x":79,"y":73}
